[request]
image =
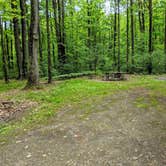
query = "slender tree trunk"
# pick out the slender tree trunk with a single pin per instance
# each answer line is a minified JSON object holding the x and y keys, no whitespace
{"x":150,"y":26}
{"x":165,"y":38}
{"x":53,"y":46}
{"x":24,"y":42}
{"x":63,"y":35}
{"x":48,"y":43}
{"x":17,"y":39}
{"x":140,"y":15}
{"x":4,"y":54}
{"x":150,"y":37}
{"x":132,"y":33}
{"x":119,"y":36}
{"x":33,"y":76}
{"x":89,"y":33}
{"x":40,"y":45}
{"x":7,"y":46}
{"x":127,"y":38}
{"x":143,"y":16}
{"x":115,"y":34}
{"x":59,"y":11}
{"x":11,"y":49}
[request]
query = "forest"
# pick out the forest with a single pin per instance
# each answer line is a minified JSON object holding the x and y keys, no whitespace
{"x":50,"y":38}
{"x":82,"y":82}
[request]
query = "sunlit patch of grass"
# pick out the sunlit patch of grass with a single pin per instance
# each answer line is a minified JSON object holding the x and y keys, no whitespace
{"x":11,"y":85}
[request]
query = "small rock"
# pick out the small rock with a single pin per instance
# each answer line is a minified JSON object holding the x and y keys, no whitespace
{"x":76,"y":136}
{"x":44,"y":155}
{"x":29,"y":155}
{"x":18,"y":141}
{"x":136,"y":150}
{"x":2,"y":143}
{"x":135,"y":158}
{"x":26,"y":147}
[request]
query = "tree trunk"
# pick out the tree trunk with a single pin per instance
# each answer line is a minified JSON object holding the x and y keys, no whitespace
{"x":58,"y":7}
{"x":24,"y":42}
{"x":119,"y":36}
{"x":132,"y":33}
{"x":17,"y":39}
{"x":165,"y":39}
{"x":53,"y":46}
{"x":11,"y":49}
{"x":127,"y":38}
{"x":48,"y":43}
{"x":4,"y":54}
{"x":150,"y":38}
{"x":33,"y":76}
{"x":115,"y":35}
{"x":89,"y":33}
{"x":40,"y":45}
{"x":7,"y":46}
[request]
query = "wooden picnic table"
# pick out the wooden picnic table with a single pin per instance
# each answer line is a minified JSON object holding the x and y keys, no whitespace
{"x":114,"y":76}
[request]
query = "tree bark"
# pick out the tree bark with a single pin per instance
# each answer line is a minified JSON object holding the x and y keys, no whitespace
{"x":58,"y":7}
{"x":150,"y":37}
{"x":150,"y":26}
{"x":11,"y":49}
{"x":127,"y":38}
{"x":48,"y":43}
{"x":24,"y":42}
{"x":115,"y":34}
{"x":132,"y":33}
{"x":33,"y":76}
{"x":17,"y":39}
{"x":119,"y":36}
{"x":4,"y":54}
{"x":165,"y":37}
{"x":89,"y":33}
{"x":40,"y":44}
{"x":7,"y":46}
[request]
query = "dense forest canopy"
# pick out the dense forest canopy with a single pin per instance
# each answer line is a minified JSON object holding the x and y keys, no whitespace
{"x":53,"y":37}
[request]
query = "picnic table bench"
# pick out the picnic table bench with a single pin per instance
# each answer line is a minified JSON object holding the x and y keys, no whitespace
{"x":114,"y":76}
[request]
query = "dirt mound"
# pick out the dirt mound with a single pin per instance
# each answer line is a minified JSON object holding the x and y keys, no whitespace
{"x":10,"y":110}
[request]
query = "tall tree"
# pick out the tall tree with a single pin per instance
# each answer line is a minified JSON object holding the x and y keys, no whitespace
{"x":150,"y":37}
{"x":17,"y":38}
{"x":115,"y":33}
{"x":59,"y":14}
{"x":11,"y":49}
{"x":127,"y":38}
{"x":89,"y":31}
{"x":4,"y":53}
{"x":119,"y":36}
{"x":33,"y":76}
{"x":24,"y":34}
{"x":40,"y":44}
{"x":48,"y":43}
{"x":132,"y":33}
{"x":165,"y":36}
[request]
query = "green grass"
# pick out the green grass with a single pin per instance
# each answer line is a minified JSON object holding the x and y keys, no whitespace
{"x":53,"y":97}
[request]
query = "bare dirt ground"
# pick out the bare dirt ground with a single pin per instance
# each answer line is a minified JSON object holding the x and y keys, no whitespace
{"x":114,"y":131}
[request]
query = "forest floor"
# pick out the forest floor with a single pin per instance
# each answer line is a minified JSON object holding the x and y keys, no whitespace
{"x":92,"y":124}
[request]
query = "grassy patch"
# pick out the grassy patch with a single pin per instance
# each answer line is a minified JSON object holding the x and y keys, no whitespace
{"x":53,"y":97}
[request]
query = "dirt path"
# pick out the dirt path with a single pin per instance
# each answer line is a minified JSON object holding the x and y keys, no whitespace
{"x":114,"y":131}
